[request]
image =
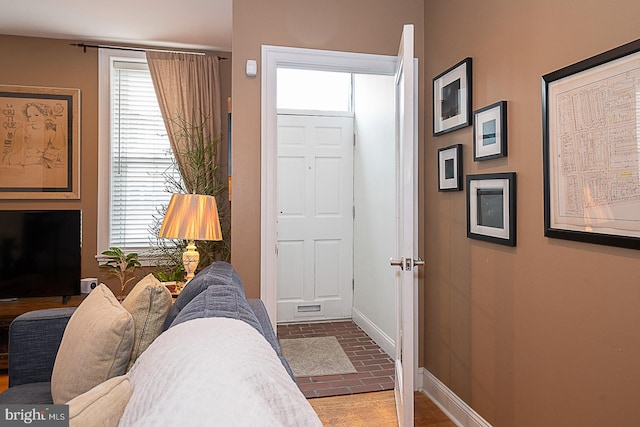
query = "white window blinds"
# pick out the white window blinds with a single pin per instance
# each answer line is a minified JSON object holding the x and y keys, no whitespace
{"x":140,"y":156}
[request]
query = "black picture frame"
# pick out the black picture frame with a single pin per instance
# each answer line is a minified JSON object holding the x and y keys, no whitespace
{"x":590,"y":158}
{"x":450,"y":168}
{"x":40,"y":149}
{"x":452,"y":98}
{"x":490,"y":132}
{"x":491,"y":207}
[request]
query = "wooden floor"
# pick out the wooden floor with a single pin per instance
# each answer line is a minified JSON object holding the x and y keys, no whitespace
{"x":364,"y":409}
{"x":375,"y":409}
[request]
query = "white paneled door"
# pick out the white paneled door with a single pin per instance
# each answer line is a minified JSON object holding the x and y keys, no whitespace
{"x":315,"y":217}
{"x":404,"y":260}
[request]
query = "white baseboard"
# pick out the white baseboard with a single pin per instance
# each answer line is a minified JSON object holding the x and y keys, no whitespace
{"x":454,"y":407}
{"x":377,"y":335}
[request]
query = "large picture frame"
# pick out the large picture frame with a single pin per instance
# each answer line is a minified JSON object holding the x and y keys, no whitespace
{"x":452,"y":98}
{"x":450,"y":168}
{"x":39,"y":143}
{"x":490,"y":132}
{"x":491,"y":207}
{"x":590,"y":141}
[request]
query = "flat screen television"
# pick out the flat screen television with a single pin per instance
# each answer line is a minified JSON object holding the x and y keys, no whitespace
{"x":39,"y":253}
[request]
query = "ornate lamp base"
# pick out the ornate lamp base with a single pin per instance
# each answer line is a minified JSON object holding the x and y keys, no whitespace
{"x":190,"y":259}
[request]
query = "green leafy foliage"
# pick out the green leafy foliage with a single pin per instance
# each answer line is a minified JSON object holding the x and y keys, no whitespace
{"x":120,"y":265}
{"x":175,"y":274}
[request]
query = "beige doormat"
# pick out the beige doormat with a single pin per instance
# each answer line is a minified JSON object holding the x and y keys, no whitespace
{"x":312,"y":357}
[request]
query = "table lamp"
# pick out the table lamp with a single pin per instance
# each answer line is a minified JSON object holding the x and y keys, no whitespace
{"x":191,"y":217}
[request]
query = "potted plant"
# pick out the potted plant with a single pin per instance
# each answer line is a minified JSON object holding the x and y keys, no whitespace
{"x":120,"y":265}
{"x":171,"y":277}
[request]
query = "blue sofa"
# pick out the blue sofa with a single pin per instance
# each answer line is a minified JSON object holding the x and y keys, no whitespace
{"x":34,"y":337}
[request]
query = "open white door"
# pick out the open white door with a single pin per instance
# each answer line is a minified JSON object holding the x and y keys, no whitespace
{"x":406,"y":278}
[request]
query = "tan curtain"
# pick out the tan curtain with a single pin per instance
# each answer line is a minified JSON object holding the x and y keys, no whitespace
{"x":188,"y":90}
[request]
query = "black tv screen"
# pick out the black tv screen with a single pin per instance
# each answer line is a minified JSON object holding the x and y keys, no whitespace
{"x":39,"y":253}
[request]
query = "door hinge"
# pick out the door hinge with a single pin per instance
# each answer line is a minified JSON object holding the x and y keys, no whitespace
{"x":353,"y":284}
{"x":354,"y":139}
{"x":354,"y":212}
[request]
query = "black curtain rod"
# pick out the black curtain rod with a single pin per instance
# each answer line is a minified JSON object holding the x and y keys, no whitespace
{"x":84,"y":46}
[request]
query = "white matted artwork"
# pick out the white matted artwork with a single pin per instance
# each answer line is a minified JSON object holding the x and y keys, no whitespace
{"x":491,"y":207}
{"x":490,"y":132}
{"x":450,"y":168}
{"x":452,"y":98}
{"x":591,"y":159}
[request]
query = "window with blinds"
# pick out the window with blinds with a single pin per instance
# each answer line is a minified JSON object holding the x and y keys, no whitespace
{"x":140,"y":156}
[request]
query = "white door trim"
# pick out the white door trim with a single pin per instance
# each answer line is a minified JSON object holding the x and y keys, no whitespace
{"x":272,"y":58}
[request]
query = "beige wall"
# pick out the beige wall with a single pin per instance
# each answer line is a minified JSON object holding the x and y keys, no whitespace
{"x":546,"y":333}
{"x":367,"y":26}
{"x":55,"y":63}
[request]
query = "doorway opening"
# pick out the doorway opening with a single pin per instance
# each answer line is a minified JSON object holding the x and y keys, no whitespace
{"x":403,"y":69}
{"x":373,"y":190}
{"x":335,"y":178}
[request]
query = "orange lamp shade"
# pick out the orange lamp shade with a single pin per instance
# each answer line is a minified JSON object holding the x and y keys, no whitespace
{"x":191,"y":217}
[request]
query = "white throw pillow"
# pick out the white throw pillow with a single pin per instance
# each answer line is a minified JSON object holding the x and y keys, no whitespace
{"x":148,"y":302}
{"x":103,"y":405}
{"x":96,"y":346}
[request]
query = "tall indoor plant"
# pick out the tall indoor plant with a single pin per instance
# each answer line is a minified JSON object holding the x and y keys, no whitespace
{"x":199,"y":156}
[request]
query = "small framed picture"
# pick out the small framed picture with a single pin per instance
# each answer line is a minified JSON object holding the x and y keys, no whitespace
{"x":450,"y":168}
{"x":490,"y":132}
{"x":452,"y":98}
{"x":491,"y":208}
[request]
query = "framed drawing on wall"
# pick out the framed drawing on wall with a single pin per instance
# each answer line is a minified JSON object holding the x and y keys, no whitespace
{"x":491,"y":207}
{"x":452,"y":98}
{"x":450,"y":168}
{"x":591,"y":158}
{"x":39,"y":143}
{"x":490,"y":132}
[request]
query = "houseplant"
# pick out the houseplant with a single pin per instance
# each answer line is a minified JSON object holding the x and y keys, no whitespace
{"x":171,"y":276}
{"x":120,"y":265}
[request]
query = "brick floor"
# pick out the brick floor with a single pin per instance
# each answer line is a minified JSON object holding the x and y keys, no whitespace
{"x":375,"y":368}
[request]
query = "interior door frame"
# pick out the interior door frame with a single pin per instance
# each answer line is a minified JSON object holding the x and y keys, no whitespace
{"x":272,"y":58}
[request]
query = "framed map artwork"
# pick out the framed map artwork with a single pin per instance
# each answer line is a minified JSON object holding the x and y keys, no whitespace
{"x":591,"y":149}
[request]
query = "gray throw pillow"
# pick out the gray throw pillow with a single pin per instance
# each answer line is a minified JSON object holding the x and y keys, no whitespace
{"x":219,"y":273}
{"x":220,"y":301}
